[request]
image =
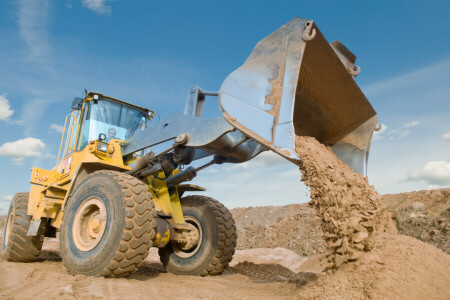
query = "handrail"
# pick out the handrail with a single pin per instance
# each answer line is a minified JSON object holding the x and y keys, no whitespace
{"x":78,"y":117}
{"x":67,"y":143}
{"x":60,"y":145}
{"x":74,"y":122}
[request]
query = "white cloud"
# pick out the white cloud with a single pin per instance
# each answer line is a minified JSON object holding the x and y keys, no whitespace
{"x":56,"y":127}
{"x":394,"y":134}
{"x":5,"y":109}
{"x":402,"y":134}
{"x":403,"y":131}
{"x":446,"y":136}
{"x":23,"y":148}
{"x":411,"y":124}
{"x":435,"y":187}
{"x":264,"y":159}
{"x":418,"y":83}
{"x":435,"y":173}
{"x":98,"y":6}
{"x":268,"y":179}
{"x":6,"y":198}
{"x":32,"y":22}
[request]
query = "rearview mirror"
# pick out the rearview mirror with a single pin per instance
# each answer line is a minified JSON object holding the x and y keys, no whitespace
{"x":76,"y":103}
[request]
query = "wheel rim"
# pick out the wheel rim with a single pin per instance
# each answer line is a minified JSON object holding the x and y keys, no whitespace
{"x":8,"y":227}
{"x":191,"y":252}
{"x":89,"y":224}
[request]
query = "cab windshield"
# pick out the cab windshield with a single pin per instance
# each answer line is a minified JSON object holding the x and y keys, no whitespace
{"x":116,"y":120}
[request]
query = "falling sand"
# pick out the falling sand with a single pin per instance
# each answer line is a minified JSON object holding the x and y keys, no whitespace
{"x":351,"y":211}
{"x":366,"y":259}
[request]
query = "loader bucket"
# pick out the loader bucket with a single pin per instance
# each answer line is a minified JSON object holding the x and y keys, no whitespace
{"x":295,"y":83}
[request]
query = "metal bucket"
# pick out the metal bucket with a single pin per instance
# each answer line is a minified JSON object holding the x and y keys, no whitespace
{"x":295,"y":83}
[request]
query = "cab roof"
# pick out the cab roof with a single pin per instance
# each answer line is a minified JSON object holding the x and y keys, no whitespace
{"x":91,"y":95}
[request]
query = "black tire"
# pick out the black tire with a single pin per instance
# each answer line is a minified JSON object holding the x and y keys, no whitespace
{"x":17,"y":246}
{"x":218,"y":239}
{"x":128,"y":231}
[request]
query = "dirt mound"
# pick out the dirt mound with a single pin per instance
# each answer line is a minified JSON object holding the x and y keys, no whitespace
{"x":424,"y":215}
{"x":433,"y":201}
{"x":295,"y":227}
{"x":399,"y":267}
{"x":351,"y":211}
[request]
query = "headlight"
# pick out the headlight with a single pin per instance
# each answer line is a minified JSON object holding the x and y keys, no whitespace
{"x":102,"y":147}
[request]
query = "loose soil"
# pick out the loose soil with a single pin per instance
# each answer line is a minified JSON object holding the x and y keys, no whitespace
{"x":398,"y":267}
{"x":424,"y":215}
{"x":295,"y":227}
{"x":351,"y":210}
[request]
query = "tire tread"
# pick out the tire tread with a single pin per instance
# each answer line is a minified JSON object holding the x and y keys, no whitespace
{"x":139,"y":228}
{"x":226,"y":245}
{"x":20,"y":247}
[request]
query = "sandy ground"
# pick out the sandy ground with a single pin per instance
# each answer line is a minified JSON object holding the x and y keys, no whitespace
{"x":399,"y":267}
{"x":49,"y":279}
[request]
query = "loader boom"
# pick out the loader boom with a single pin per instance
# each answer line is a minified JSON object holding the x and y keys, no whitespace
{"x":293,"y":83}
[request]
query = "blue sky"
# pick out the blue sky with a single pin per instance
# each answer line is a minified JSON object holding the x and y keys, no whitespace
{"x":151,"y":52}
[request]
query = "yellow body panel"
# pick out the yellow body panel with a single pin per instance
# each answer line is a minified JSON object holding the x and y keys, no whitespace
{"x":51,"y":189}
{"x":57,"y":221}
{"x":166,"y":200}
{"x":43,"y":177}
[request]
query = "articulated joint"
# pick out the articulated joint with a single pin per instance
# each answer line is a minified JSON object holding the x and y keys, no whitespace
{"x":150,"y":159}
{"x":185,"y":235}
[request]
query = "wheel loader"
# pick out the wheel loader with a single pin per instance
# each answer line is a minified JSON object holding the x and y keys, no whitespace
{"x":112,"y":196}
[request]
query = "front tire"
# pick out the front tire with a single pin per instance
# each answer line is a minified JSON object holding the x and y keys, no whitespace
{"x":108,"y":225}
{"x":17,"y":246}
{"x":217,"y":243}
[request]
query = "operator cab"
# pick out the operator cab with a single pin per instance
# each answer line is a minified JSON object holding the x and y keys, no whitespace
{"x":111,"y":118}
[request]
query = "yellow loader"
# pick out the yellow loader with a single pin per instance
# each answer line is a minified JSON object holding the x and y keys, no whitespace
{"x":112,"y":196}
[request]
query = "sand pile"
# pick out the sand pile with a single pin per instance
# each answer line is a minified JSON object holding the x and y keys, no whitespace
{"x":432,"y":201}
{"x":399,"y":267}
{"x":295,"y":227}
{"x":351,"y":210}
{"x":424,"y":215}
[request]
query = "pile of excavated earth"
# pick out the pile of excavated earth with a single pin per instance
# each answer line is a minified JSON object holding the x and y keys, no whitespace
{"x":348,"y":242}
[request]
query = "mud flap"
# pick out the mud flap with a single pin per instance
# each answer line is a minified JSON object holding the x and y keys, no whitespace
{"x":34,"y":227}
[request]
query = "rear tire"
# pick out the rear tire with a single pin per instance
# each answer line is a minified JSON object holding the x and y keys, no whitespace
{"x":108,"y":225}
{"x":217,"y":239}
{"x":17,"y":246}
